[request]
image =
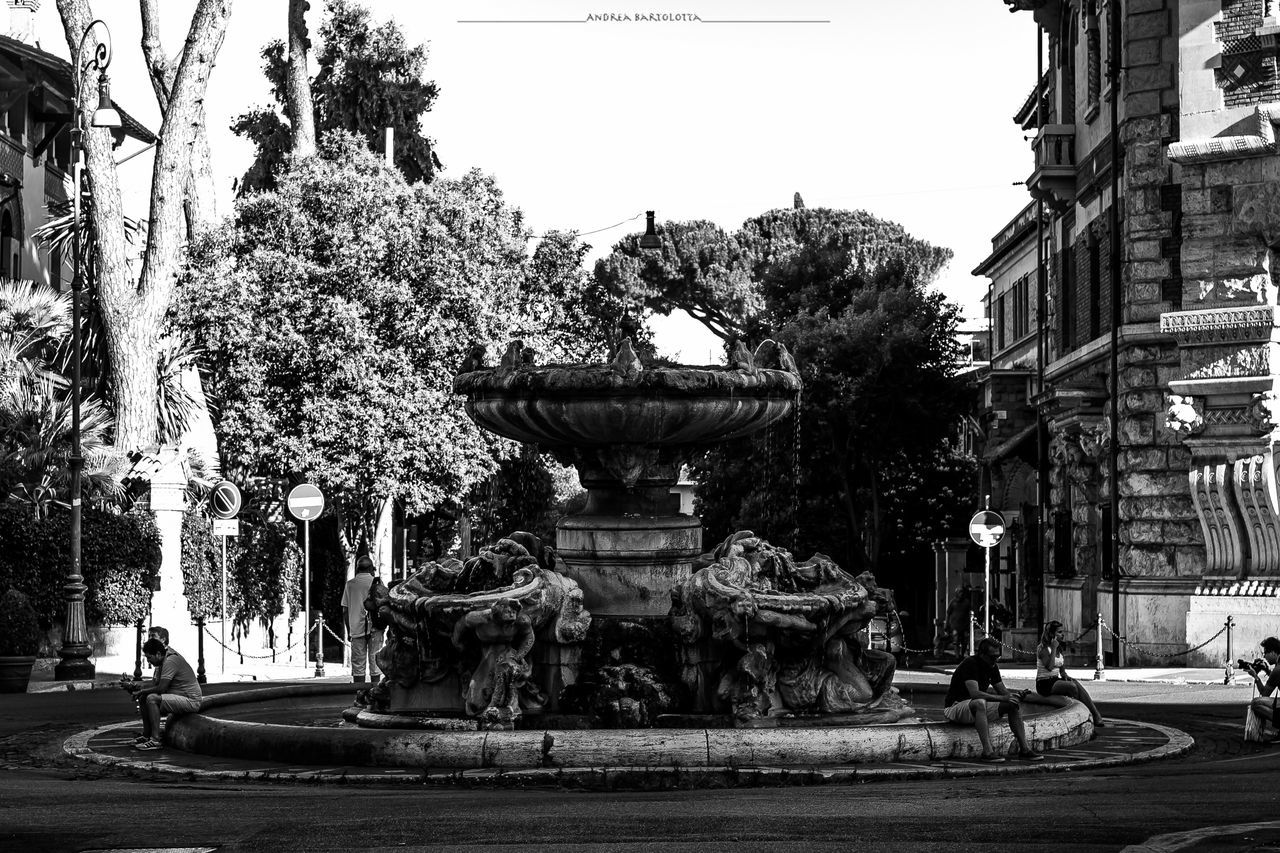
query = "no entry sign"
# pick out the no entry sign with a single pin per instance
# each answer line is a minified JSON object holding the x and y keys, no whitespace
{"x":305,"y":502}
{"x":986,"y":528}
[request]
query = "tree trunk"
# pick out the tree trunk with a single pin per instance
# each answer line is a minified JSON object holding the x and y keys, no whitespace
{"x":300,"y":106}
{"x":133,"y":310}
{"x":200,"y":205}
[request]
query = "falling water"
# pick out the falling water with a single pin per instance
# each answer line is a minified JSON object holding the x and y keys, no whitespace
{"x":795,"y":468}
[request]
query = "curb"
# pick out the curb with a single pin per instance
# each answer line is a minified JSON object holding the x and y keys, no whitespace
{"x":641,"y":778}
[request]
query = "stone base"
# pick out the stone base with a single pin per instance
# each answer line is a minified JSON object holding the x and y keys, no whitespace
{"x":627,"y":566}
{"x":442,"y":699}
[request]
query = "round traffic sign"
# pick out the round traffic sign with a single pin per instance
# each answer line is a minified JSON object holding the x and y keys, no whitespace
{"x":986,"y":528}
{"x":224,"y":500}
{"x":305,"y":502}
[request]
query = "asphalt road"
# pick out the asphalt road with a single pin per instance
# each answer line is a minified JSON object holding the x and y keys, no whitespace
{"x":48,"y":802}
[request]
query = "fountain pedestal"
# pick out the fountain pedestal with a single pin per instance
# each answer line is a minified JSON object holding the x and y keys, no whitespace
{"x":630,"y":546}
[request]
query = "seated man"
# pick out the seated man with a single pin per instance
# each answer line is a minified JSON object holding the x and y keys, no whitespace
{"x":977,"y":696}
{"x":1263,"y":706}
{"x":173,"y":690}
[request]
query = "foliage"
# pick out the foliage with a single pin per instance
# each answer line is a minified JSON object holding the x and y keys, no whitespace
{"x":201,"y":566}
{"x":878,"y":357}
{"x":699,"y":269}
{"x":520,"y":495}
{"x":721,"y":279}
{"x":368,"y":79}
{"x":264,"y":569}
{"x":120,"y":552}
{"x":19,"y":628}
{"x":33,"y":318}
{"x":333,"y":313}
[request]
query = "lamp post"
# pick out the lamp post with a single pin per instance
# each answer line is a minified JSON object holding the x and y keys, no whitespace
{"x":74,"y":654}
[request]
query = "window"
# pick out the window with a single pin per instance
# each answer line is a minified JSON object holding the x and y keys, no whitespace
{"x":1022,"y":307}
{"x":1095,"y":287}
{"x":1094,"y":57}
{"x":1068,"y":301}
{"x":1000,"y":328}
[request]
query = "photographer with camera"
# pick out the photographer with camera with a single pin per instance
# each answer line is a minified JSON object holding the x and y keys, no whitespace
{"x":1262,"y":709}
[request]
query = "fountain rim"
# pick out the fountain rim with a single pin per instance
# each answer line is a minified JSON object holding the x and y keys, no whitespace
{"x":597,"y":380}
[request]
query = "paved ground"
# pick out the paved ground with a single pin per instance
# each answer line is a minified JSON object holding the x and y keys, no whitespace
{"x":1216,"y":797}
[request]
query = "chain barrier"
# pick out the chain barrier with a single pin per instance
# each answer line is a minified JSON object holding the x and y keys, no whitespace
{"x":336,"y":637}
{"x":979,"y":629}
{"x":269,"y":656}
{"x":1171,"y":655}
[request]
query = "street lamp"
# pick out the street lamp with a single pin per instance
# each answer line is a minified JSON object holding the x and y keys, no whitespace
{"x":74,"y":655}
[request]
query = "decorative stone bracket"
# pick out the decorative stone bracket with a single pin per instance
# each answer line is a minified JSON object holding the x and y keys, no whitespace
{"x":1260,"y":144}
{"x":1233,"y":490}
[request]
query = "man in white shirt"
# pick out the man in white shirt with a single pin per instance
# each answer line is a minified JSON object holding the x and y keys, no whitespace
{"x":365,"y":639}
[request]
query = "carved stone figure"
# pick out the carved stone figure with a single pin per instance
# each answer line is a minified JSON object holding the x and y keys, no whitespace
{"x":1264,"y":412}
{"x":461,"y":637}
{"x":506,"y":637}
{"x":1185,"y":415}
{"x":762,"y":634}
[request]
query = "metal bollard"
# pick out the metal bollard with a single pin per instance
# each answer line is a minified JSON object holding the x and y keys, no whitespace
{"x":319,"y":644}
{"x":137,"y":660}
{"x":1229,"y":669}
{"x":1099,"y":668}
{"x":973,"y":623}
{"x":200,"y":672}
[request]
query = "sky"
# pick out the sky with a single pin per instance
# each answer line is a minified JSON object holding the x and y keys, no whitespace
{"x":723,"y":111}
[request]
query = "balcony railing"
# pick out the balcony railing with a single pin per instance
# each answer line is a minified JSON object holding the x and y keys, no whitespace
{"x":1054,"y":180}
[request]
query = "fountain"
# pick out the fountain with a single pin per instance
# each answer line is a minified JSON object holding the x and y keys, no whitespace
{"x":626,"y":623}
{"x":627,"y":429}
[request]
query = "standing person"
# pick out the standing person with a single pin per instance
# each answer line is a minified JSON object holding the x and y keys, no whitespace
{"x":959,"y":612}
{"x":977,"y":696}
{"x":1262,"y":709}
{"x":365,"y":639}
{"x":1051,"y":674}
{"x":173,"y":690}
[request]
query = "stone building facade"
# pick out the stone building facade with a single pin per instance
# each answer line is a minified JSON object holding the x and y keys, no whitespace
{"x":1196,"y":348}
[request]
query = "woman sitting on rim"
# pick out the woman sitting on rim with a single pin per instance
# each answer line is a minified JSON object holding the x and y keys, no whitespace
{"x":1052,"y":679}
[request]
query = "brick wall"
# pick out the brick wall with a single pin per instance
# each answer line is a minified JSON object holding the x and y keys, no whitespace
{"x":1247,"y":74}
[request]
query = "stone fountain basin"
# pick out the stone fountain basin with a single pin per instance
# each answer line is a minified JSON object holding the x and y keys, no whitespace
{"x":232,"y":725}
{"x":591,"y":405}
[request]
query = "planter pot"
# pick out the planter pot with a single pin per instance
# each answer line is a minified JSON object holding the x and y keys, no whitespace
{"x":15,"y":672}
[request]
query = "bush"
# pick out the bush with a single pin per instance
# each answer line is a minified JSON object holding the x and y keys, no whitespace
{"x":19,"y":630}
{"x":119,"y":554}
{"x":264,"y":567}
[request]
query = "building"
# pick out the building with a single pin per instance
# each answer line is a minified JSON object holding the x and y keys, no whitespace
{"x":35,"y":147}
{"x":1174,"y":154}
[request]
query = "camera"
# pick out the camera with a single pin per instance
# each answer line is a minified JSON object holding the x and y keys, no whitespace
{"x":1254,"y":667}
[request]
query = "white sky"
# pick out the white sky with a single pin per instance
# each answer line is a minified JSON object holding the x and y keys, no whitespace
{"x":899,"y":107}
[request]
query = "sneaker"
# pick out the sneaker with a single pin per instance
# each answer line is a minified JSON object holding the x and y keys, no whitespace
{"x":992,"y":759}
{"x":1030,"y":755}
{"x":140,"y":739}
{"x":149,"y":743}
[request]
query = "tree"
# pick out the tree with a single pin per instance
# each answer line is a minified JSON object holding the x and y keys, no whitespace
{"x":847,"y":294}
{"x":133,"y":305}
{"x":334,"y":312}
{"x":300,"y":109}
{"x":699,"y":269}
{"x":367,"y":79}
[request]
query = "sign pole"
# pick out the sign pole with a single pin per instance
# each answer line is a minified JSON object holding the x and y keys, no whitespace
{"x":306,"y":591}
{"x":986,"y":529}
{"x":986,"y":593}
{"x":223,"y":643}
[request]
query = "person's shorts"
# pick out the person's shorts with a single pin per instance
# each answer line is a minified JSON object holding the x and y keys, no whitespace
{"x":173,"y":703}
{"x":962,"y":713}
{"x":1044,"y":686}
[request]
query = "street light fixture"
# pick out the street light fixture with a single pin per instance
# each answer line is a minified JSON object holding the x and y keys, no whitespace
{"x":74,"y":655}
{"x":650,"y":238}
